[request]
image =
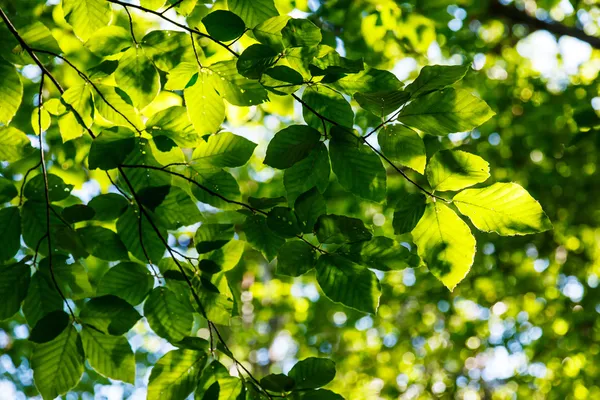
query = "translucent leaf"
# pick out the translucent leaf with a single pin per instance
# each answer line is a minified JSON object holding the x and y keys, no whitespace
{"x":108,"y":206}
{"x":409,"y":210}
{"x":110,"y":315}
{"x":295,"y":258}
{"x":261,"y":237}
{"x":223,"y":149}
{"x":281,"y":80}
{"x":255,"y":60}
{"x":58,"y":365}
{"x":178,"y":209}
{"x":109,"y":40}
{"x":269,"y":31}
{"x":110,"y":148}
{"x":80,"y":98}
{"x":110,"y":356}
{"x":204,"y":104}
{"x":367,"y":81}
{"x":300,"y":33}
{"x":128,"y":280}
{"x":341,"y":229}
{"x":358,"y":169}
{"x":309,"y":206}
{"x":380,"y":253}
{"x":328,"y":103}
{"x":14,"y":144}
{"x":211,"y":237}
{"x":168,"y":49}
{"x":382,"y":103}
{"x":11,"y":92}
{"x":445,"y":112}
{"x":10,"y":232}
{"x":436,"y":77}
{"x":87,"y":16}
{"x":404,"y":146}
{"x":69,"y":127}
{"x":313,"y":372}
{"x":175,"y":375}
{"x":455,"y":170}
{"x":504,"y":208}
{"x":42,"y":297}
{"x":253,"y":12}
{"x":14,"y":283}
{"x":312,"y":171}
{"x":152,"y":4}
{"x":216,"y":182}
{"x":37,"y":36}
{"x":122,"y":112}
{"x":35,"y":120}
{"x":35,"y":188}
{"x":237,"y":89}
{"x":174,"y":123}
{"x":445,"y":244}
{"x":224,"y":25}
{"x":167,"y":316}
{"x":347,"y":283}
{"x":332,"y":63}
{"x":291,"y":145}
{"x":133,"y":236}
{"x":137,"y":76}
{"x":72,"y":277}
{"x":103,"y":243}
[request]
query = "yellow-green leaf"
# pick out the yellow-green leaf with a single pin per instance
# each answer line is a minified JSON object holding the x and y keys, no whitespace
{"x":455,"y":170}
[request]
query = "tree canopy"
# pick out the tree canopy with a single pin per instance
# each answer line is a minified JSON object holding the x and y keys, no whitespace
{"x":257,"y":199}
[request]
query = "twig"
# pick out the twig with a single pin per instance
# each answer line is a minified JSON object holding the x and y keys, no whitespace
{"x":25,"y":180}
{"x":171,"y":6}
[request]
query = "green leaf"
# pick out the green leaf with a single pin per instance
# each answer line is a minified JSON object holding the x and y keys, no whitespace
{"x":72,"y":277}
{"x":168,"y":49}
{"x":110,"y":356}
{"x":295,"y":258}
{"x":226,"y":389}
{"x":332,"y":63}
{"x":269,"y":31}
{"x":382,"y":103}
{"x":14,"y":144}
{"x":380,"y":253}
{"x":211,"y":374}
{"x":11,"y":92}
{"x":228,"y":256}
{"x":367,"y":81}
{"x":504,"y":208}
{"x":321,"y":394}
{"x":255,"y":60}
{"x":291,"y":145}
{"x":40,"y":114}
{"x":110,"y":148}
{"x":109,"y":40}
{"x":211,"y":237}
{"x":110,"y":315}
{"x":281,"y":80}
{"x":128,"y":280}
{"x":178,"y":209}
{"x":264,"y":203}
{"x":33,"y":224}
{"x":217,"y":182}
{"x":277,"y":383}
{"x":14,"y":283}
{"x":42,"y":297}
{"x":138,"y":77}
{"x":69,"y":127}
{"x":204,"y":104}
{"x":152,"y":4}
{"x":455,"y":170}
{"x":176,"y":374}
{"x":284,"y":222}
{"x":313,"y":372}
{"x":445,"y":112}
{"x":108,"y":206}
{"x":333,"y":228}
{"x":115,"y":106}
{"x":49,"y":326}
{"x":144,"y":179}
{"x":174,"y":123}
{"x":309,"y":206}
{"x":445,"y":244}
{"x":408,"y":212}
{"x":87,"y":16}
{"x":259,"y":236}
{"x":135,"y":229}
{"x":404,"y":146}
{"x":358,"y":169}
{"x":80,"y":98}
{"x":58,"y":365}
{"x":57,"y":189}
{"x":237,"y":89}
{"x":347,"y":283}
{"x":78,"y":213}
{"x":37,"y":36}
{"x":436,"y":77}
{"x":327,"y":103}
{"x":167,"y":316}
{"x":224,"y":25}
{"x":223,"y":149}
{"x":253,"y":12}
{"x":8,"y":191}
{"x":103,"y":243}
{"x":300,"y":33}
{"x":312,"y":171}
{"x":10,"y":232}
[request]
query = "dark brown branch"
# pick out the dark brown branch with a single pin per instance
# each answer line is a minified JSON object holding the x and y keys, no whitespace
{"x":516,"y":16}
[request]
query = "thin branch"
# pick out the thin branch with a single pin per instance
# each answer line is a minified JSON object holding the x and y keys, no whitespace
{"x":117,"y":187}
{"x":195,"y":51}
{"x":184,"y":27}
{"x":47,"y":195}
{"x":30,"y":170}
{"x":131,"y":26}
{"x":171,"y":6}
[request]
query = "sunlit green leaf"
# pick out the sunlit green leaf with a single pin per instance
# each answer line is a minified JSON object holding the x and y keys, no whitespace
{"x":11,"y":92}
{"x":436,"y":77}
{"x":269,"y":31}
{"x":176,"y":374}
{"x":168,"y":49}
{"x":127,"y":280}
{"x":110,"y":356}
{"x":223,"y":149}
{"x":80,"y":98}
{"x":87,"y":16}
{"x":409,"y":210}
{"x":404,"y":146}
{"x":300,"y":33}
{"x":313,"y":372}
{"x":14,"y":144}
{"x":175,"y":124}
{"x":167,"y":316}
{"x":295,"y":258}
{"x":205,"y":105}
{"x":380,"y":253}
{"x":291,"y":145}
{"x":210,"y":237}
{"x":455,"y":170}
{"x":312,"y":171}
{"x":253,"y":12}
{"x":109,"y":314}
{"x":341,"y":229}
{"x":140,"y":237}
{"x":137,"y":76}
{"x":109,"y":40}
